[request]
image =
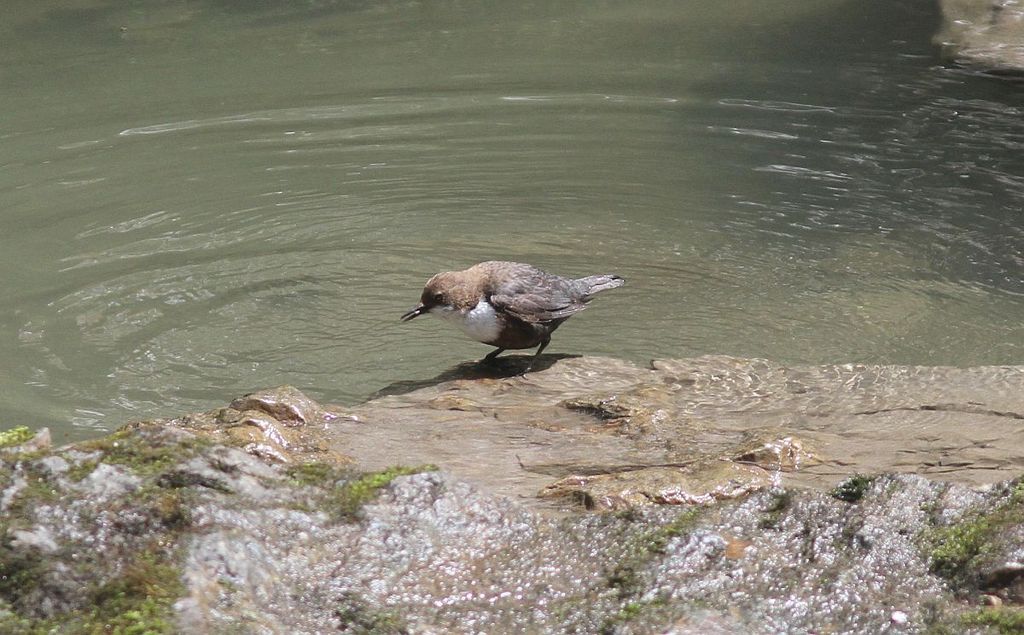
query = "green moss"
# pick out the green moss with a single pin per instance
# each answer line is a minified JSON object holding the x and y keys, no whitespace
{"x":347,"y":499}
{"x":178,"y":479}
{"x":14,"y":625}
{"x":629,"y":515}
{"x":171,"y":509}
{"x":1004,"y":620}
{"x":346,"y":493}
{"x":680,"y":525}
{"x":358,"y":619}
{"x":19,"y":570}
{"x":137,"y":598}
{"x":629,"y":612}
{"x":313,"y":474}
{"x":137,"y":602}
{"x":36,"y":490}
{"x":1017,"y":493}
{"x":135,"y":591}
{"x":82,"y":469}
{"x":145,"y":455}
{"x":852,"y":489}
{"x":956,"y":547}
{"x":15,"y":436}
{"x":624,"y":577}
{"x":780,"y":502}
{"x":357,"y":616}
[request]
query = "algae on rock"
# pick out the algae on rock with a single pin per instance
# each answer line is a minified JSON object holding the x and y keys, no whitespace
{"x":239,"y":521}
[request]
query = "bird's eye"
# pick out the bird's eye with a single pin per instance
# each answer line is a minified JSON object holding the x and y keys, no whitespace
{"x":438,"y":298}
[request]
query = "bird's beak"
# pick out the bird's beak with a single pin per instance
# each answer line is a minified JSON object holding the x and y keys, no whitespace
{"x":416,"y":311}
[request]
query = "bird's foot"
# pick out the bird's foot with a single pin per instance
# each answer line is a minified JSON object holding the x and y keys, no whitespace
{"x":489,"y":358}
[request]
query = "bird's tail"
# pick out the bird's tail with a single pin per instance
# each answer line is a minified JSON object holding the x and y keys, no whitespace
{"x":596,"y":284}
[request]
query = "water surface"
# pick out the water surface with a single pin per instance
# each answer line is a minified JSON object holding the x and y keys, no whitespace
{"x":201,"y":199}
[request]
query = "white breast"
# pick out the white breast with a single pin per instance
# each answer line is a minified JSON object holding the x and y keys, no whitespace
{"x":479,"y":323}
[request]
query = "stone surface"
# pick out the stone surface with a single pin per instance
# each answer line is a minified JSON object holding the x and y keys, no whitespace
{"x":595,"y":421}
{"x":696,"y":484}
{"x":714,"y":521}
{"x":278,"y":424}
{"x":984,"y":34}
{"x":37,"y":442}
{"x":319,"y":549}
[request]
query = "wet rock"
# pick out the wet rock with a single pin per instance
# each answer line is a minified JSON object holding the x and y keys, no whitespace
{"x":108,"y":481}
{"x":11,"y":490}
{"x":284,"y":404}
{"x":230,"y":579}
{"x":1007,"y":579}
{"x":279,"y":424}
{"x":632,"y":413}
{"x":984,"y":547}
{"x":452,"y":402}
{"x":775,"y":452}
{"x":21,"y":441}
{"x":744,"y":496}
{"x":585,"y":417}
{"x":54,"y":465}
{"x":697,"y":484}
{"x":222,"y":469}
{"x":193,"y":536}
{"x":38,"y":538}
{"x":986,"y":34}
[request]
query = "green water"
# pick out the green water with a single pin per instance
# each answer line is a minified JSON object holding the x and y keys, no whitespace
{"x":204,"y":198}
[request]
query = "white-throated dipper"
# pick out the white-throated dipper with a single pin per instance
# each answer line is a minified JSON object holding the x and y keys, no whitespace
{"x":509,"y":305}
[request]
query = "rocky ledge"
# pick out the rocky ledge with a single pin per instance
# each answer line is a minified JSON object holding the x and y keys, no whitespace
{"x":692,"y":496}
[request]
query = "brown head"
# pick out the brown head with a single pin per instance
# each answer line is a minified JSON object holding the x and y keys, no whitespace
{"x":451,"y":289}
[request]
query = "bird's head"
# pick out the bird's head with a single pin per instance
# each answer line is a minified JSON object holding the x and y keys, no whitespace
{"x":439,"y":294}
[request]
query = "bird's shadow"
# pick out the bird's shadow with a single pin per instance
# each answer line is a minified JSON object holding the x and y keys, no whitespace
{"x":498,"y":368}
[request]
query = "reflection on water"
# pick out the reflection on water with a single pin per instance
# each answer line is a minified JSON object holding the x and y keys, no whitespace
{"x":203,"y":200}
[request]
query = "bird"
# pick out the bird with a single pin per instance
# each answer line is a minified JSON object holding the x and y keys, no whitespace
{"x":508,"y":305}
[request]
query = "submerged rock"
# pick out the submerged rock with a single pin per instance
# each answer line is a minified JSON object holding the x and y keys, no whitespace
{"x":599,"y":426}
{"x":697,"y":484}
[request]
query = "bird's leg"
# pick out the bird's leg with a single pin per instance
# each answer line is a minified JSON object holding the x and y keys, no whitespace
{"x":490,"y":356}
{"x":533,"y":359}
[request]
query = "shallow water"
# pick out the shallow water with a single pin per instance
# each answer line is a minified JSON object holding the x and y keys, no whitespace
{"x":667,"y":429}
{"x":201,"y":200}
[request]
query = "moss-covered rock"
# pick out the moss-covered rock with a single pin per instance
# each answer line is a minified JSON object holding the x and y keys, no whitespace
{"x":93,"y":536}
{"x":852,"y":489}
{"x":1002,"y":620}
{"x":177,"y":528}
{"x":15,"y":436}
{"x":982,"y":549}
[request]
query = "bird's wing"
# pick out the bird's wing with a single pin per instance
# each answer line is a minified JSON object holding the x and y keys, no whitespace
{"x":522,"y":299}
{"x":532,"y":308}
